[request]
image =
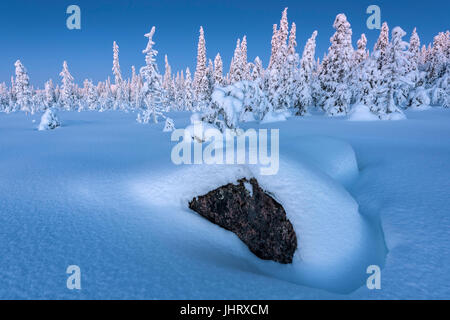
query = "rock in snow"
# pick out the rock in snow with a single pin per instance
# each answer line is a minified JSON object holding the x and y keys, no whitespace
{"x":255,"y":217}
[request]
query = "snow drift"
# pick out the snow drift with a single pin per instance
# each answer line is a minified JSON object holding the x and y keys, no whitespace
{"x":333,"y":238}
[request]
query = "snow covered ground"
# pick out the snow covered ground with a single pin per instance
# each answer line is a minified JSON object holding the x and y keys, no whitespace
{"x":101,"y":192}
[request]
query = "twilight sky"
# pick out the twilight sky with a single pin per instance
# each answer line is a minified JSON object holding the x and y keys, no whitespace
{"x":35,"y":31}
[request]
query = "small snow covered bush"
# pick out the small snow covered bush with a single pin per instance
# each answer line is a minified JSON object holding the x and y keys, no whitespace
{"x":169,"y":125}
{"x":49,"y":120}
{"x":240,"y":102}
{"x":420,"y":98}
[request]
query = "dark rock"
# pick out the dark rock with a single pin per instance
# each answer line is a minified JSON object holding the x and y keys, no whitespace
{"x":255,"y":217}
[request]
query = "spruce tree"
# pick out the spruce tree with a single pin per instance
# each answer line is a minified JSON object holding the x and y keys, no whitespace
{"x":152,"y":92}
{"x":23,"y":93}
{"x":67,"y":93}
{"x":336,"y":70}
{"x":218,"y":70}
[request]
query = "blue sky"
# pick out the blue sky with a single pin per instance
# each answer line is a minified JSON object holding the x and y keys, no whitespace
{"x":35,"y":31}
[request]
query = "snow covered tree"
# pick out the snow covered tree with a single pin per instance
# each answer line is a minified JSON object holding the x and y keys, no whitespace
{"x":414,"y":49}
{"x":4,"y":98}
{"x":201,"y":82}
{"x":106,"y":98}
{"x":277,"y":78}
{"x":235,"y":73}
{"x":336,"y":70}
{"x":22,"y":89}
{"x":168,"y":84}
{"x":135,"y":88}
{"x":119,"y":85}
{"x":67,"y":95}
{"x":243,"y":63}
{"x":438,"y":58}
{"x":393,"y":92}
{"x":291,"y":71}
{"x":362,"y":72}
{"x":218,"y":70}
{"x":382,"y":46}
{"x":91,"y":95}
{"x":169,"y":125}
{"x":238,"y":102}
{"x":179,"y":90}
{"x":307,"y":80}
{"x":116,"y":66}
{"x":50,"y":96}
{"x":365,"y":79}
{"x":438,"y":70}
{"x":49,"y":120}
{"x":361,"y":52}
{"x":257,"y":70}
{"x":152,"y":91}
{"x":188,"y":92}
{"x":12,"y":96}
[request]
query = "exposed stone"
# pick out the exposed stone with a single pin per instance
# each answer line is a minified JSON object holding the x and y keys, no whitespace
{"x":254,"y":216}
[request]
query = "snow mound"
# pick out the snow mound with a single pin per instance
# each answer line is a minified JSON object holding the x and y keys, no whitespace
{"x":334,"y":157}
{"x":394,"y":116}
{"x":197,"y":130}
{"x":331,"y":233}
{"x":361,"y":112}
{"x":274,"y":116}
{"x":49,"y":120}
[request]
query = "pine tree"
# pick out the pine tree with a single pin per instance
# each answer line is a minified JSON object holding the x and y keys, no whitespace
{"x":168,"y":84}
{"x":361,"y":54}
{"x":307,"y":78}
{"x":336,"y":69}
{"x":438,"y":58}
{"x":106,"y":99}
{"x":393,"y":92}
{"x":135,"y":88}
{"x":119,"y":88}
{"x":277,"y":78}
{"x":243,"y":63}
{"x":257,"y":70}
{"x":179,"y":90}
{"x":67,"y":92}
{"x":22,"y":89}
{"x":116,"y":65}
{"x":12,"y":96}
{"x":4,"y":98}
{"x":91,"y":95}
{"x":361,"y":78}
{"x":438,"y":70}
{"x":381,"y":46}
{"x":218,"y":70}
{"x":50,"y":96}
{"x":169,"y":125}
{"x":200,"y":83}
{"x":152,"y":91}
{"x":188,"y":92}
{"x":235,"y":73}
{"x":292,"y":71}
{"x":274,"y":46}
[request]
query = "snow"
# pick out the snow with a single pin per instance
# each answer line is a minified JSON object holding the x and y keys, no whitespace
{"x":49,"y":120}
{"x":249,"y":188}
{"x":106,"y":197}
{"x":361,"y":112}
{"x":274,"y":116}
